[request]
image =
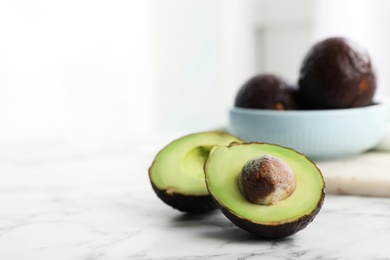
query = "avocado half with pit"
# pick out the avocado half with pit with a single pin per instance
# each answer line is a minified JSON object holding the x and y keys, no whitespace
{"x":239,"y":174}
{"x":177,"y":174}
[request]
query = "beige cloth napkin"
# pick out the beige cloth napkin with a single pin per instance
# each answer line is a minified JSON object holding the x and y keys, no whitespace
{"x":384,"y":145}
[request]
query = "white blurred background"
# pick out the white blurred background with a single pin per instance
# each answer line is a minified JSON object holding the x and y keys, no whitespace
{"x":91,"y":68}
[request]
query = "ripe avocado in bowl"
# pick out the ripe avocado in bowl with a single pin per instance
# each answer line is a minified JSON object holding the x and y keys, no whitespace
{"x":334,"y":114}
{"x":267,"y":91}
{"x":337,"y":73}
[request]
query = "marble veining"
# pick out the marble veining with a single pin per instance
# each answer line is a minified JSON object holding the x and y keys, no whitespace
{"x":91,"y":199}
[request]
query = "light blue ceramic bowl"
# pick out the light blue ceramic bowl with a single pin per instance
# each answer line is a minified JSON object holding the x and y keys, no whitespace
{"x":319,"y":134}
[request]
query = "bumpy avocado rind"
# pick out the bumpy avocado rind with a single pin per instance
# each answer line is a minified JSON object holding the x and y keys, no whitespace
{"x":266,"y":91}
{"x":336,"y":73}
{"x":177,"y":173}
{"x":282,"y":219}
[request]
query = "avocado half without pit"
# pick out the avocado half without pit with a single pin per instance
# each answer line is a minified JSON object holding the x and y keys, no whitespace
{"x":266,"y":189}
{"x":177,"y":174}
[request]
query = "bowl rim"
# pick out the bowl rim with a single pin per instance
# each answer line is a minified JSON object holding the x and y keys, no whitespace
{"x":376,"y":105}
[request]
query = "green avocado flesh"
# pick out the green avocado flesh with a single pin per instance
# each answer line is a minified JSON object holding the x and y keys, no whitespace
{"x":178,"y":168}
{"x":224,"y":165}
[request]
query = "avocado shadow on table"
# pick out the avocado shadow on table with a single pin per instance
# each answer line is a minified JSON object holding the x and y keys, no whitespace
{"x":214,"y":225}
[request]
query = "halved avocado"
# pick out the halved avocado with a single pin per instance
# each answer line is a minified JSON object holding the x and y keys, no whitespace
{"x":177,"y":175}
{"x":286,"y":217}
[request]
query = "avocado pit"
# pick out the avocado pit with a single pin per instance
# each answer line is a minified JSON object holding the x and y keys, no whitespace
{"x":266,"y":180}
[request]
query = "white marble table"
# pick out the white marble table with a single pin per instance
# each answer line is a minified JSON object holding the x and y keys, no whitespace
{"x":91,"y":199}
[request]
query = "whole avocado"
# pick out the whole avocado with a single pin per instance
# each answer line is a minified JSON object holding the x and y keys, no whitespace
{"x":335,"y":74}
{"x":266,"y":91}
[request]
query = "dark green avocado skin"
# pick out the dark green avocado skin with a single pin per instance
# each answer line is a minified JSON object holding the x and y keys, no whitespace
{"x":336,"y":74}
{"x":276,"y":231}
{"x":266,"y":91}
{"x":186,"y":203}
